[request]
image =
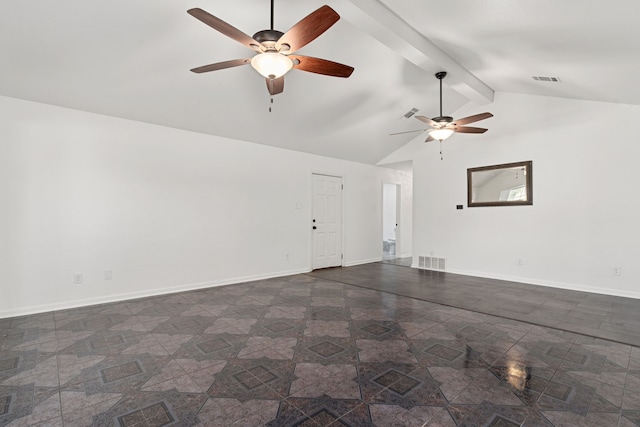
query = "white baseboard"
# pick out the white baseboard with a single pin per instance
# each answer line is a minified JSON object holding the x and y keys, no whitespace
{"x":22,"y":311}
{"x":44,"y":308}
{"x":548,"y":283}
{"x":362,"y":261}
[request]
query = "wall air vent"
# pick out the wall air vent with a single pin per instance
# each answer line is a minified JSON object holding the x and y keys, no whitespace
{"x":431,"y":263}
{"x":410,"y":113}
{"x":546,"y":79}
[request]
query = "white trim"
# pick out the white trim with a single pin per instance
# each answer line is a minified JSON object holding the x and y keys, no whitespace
{"x":142,"y":294}
{"x":548,"y":283}
{"x":398,"y":222}
{"x":362,"y":261}
{"x":204,"y":285}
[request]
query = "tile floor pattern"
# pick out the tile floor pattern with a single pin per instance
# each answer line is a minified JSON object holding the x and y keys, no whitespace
{"x":602,"y":316}
{"x":304,"y":351}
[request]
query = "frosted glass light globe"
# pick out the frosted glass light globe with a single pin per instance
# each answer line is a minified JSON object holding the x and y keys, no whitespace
{"x":271,"y":64}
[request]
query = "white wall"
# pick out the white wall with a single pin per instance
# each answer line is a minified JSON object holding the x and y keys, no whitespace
{"x":584,"y":218}
{"x":164,"y":209}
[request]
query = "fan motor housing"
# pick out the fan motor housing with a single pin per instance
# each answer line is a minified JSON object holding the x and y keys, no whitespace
{"x":443,"y":119}
{"x":267,"y":36}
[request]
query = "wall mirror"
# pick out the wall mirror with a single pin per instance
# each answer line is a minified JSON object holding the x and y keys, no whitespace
{"x":509,"y":184}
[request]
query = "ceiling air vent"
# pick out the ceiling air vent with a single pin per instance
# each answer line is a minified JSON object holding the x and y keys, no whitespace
{"x":410,"y":113}
{"x":546,"y":79}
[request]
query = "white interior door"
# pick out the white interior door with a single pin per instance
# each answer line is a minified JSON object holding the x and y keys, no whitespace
{"x":326,"y":221}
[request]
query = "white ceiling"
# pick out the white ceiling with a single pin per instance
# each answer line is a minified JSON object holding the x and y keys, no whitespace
{"x":131,"y":59}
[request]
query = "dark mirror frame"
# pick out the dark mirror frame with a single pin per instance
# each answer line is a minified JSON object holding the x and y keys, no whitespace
{"x":528,"y":166}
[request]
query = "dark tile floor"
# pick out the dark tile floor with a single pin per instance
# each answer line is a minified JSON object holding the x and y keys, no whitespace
{"x":601,"y":316}
{"x":307,"y":351}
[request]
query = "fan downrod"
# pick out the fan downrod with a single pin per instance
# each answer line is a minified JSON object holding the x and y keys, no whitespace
{"x":440,"y":119}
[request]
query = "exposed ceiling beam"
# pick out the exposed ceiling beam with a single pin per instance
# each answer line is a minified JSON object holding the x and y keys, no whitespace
{"x":385,"y":26}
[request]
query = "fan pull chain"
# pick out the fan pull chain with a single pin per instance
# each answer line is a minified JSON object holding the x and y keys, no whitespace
{"x":270,"y":104}
{"x":441,"y":157}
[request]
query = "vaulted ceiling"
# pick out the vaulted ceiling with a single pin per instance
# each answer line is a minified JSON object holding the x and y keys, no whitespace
{"x":131,"y":59}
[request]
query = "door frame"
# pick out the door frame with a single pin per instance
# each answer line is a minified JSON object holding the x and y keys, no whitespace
{"x":398,"y":216}
{"x":310,"y":217}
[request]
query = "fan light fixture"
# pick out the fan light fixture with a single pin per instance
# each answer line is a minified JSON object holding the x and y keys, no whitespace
{"x":442,"y":127}
{"x":271,"y":65}
{"x":441,"y":134}
{"x":271,"y":48}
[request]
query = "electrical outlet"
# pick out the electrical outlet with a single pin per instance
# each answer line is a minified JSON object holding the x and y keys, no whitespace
{"x":77,"y":278}
{"x":617,"y":271}
{"x":108,"y":274}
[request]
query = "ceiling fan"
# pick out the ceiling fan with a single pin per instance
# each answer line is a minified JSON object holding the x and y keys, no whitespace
{"x":274,"y":48}
{"x":442,"y":127}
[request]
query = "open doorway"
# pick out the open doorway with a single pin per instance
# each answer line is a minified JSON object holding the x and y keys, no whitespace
{"x":390,"y":221}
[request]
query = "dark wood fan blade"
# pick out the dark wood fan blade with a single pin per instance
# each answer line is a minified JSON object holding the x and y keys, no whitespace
{"x":275,"y":86}
{"x":427,"y":120}
{"x":320,"y":66}
{"x":221,"y":65}
{"x":429,"y":139}
{"x":472,"y":119}
{"x":226,"y":29}
{"x":409,"y":131}
{"x":308,"y":29}
{"x":468,"y":129}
